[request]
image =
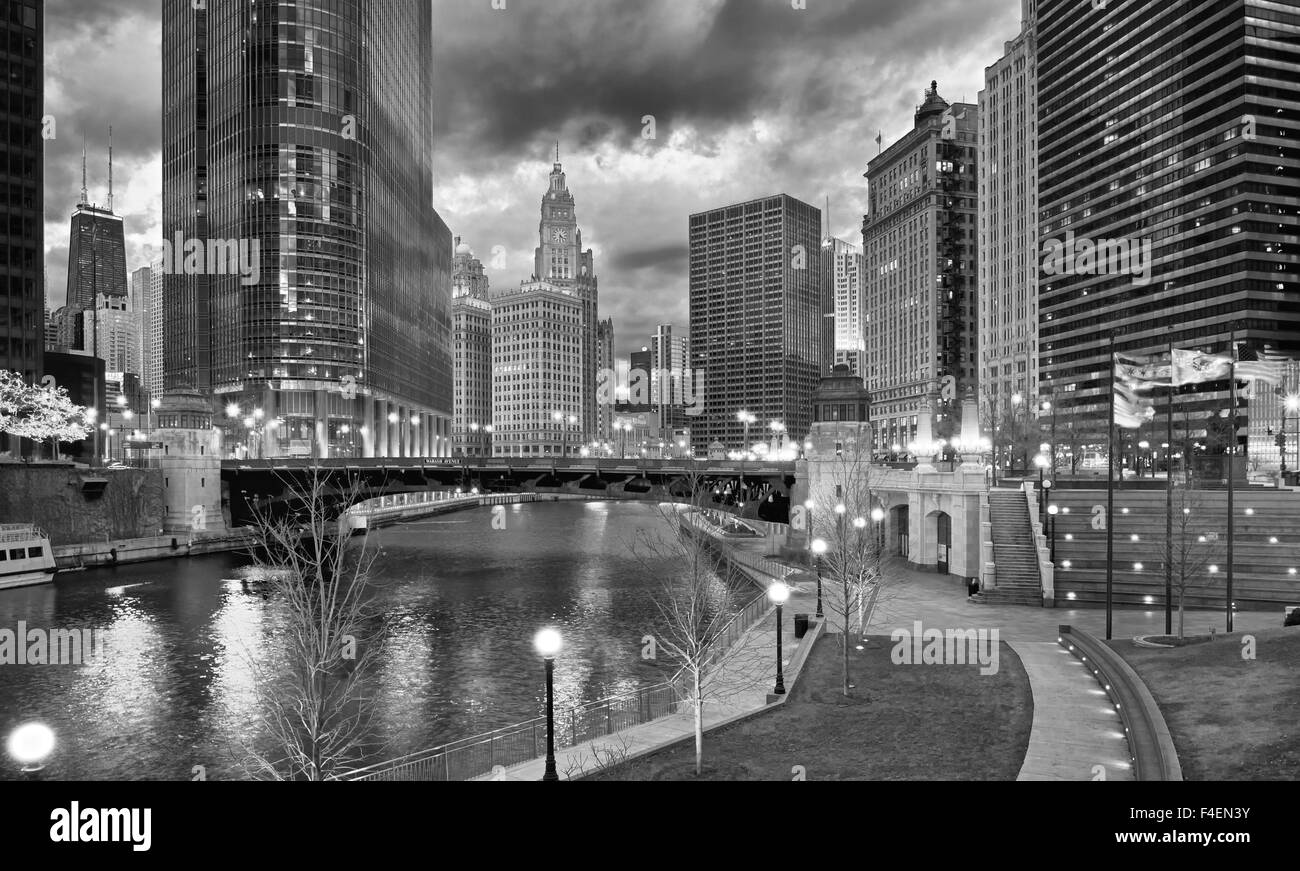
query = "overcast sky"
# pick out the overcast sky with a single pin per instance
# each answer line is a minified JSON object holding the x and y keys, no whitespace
{"x":750,"y":98}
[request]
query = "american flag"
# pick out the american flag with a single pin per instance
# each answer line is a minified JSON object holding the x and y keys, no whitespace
{"x":1253,"y":365}
{"x":1271,"y":354}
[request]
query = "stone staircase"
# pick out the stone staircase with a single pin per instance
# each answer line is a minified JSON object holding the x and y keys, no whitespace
{"x":1014,"y":553}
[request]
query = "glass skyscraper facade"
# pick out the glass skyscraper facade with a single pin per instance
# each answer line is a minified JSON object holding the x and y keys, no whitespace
{"x":22,"y":95}
{"x":300,"y":133}
{"x":1173,"y":125}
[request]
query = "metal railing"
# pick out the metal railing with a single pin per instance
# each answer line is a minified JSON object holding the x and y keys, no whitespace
{"x":480,"y":755}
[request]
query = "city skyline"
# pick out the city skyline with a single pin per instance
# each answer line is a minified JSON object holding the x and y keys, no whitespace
{"x":858,"y":68}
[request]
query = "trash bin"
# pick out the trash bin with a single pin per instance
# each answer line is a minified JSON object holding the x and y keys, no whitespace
{"x":972,"y":586}
{"x":800,"y":625}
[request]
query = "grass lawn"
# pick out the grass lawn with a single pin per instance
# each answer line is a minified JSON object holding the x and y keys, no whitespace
{"x":1231,"y":718}
{"x":905,"y":722}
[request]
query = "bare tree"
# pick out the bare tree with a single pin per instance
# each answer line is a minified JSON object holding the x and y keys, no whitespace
{"x":698,"y":600}
{"x":1193,"y":547}
{"x":847,"y":524}
{"x":603,"y":757}
{"x":1014,"y":431}
{"x":317,"y":710}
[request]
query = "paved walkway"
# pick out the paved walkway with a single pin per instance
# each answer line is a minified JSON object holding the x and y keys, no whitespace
{"x":1075,"y":728}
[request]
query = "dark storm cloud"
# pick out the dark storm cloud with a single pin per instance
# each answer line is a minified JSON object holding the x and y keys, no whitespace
{"x":101,"y":70}
{"x":508,"y":78}
{"x":664,"y":257}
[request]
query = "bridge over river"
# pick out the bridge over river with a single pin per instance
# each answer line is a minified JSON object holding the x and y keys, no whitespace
{"x":272,"y":485}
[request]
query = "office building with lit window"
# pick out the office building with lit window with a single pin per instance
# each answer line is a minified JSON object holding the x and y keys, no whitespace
{"x":919,"y":245}
{"x":757,"y":317}
{"x":537,"y":367}
{"x":22,"y":254}
{"x":843,"y":269}
{"x":1172,"y":130}
{"x":302,"y":134}
{"x":1008,"y":230}
{"x":471,"y":314}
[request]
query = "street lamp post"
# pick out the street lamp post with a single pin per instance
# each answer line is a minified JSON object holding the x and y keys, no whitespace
{"x":1041,"y":462}
{"x":1052,"y":511}
{"x":548,"y":644}
{"x":878,"y":517}
{"x":1016,"y":401}
{"x":779,"y":593}
{"x":819,"y":550}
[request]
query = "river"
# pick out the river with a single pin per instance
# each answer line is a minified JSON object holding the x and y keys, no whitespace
{"x":174,"y":688}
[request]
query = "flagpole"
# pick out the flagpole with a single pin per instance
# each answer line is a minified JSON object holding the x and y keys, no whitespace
{"x":1169,"y":499}
{"x":1110,"y":498}
{"x":1232,"y":458}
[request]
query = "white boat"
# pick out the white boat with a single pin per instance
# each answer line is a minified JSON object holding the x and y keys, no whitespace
{"x":26,"y":557}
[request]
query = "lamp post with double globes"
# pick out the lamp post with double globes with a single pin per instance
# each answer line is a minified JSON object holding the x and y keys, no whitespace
{"x":548,"y":643}
{"x":779,"y":594}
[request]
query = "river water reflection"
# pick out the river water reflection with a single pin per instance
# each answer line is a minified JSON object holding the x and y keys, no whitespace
{"x":174,"y":689}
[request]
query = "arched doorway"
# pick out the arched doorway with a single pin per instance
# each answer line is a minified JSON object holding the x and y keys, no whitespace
{"x":900,"y":520}
{"x":943,"y":540}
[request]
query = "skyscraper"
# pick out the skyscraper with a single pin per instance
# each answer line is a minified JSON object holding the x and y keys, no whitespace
{"x":757,"y":316}
{"x":115,"y":339}
{"x":843,"y":270}
{"x":919,"y":245}
{"x":561,"y":261}
{"x":22,"y":97}
{"x":1008,"y":232}
{"x":471,"y":356}
{"x":606,"y":385}
{"x":146,"y":298}
{"x":1167,"y":132}
{"x":537,"y":370}
{"x":670,"y":360}
{"x":301,"y":135}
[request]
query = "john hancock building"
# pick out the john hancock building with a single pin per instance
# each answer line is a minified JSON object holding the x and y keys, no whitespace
{"x":303,"y":132}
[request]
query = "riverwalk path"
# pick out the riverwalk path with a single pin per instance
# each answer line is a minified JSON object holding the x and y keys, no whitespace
{"x":1076,"y":733}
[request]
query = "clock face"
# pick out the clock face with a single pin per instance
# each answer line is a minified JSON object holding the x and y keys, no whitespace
{"x":560,"y":235}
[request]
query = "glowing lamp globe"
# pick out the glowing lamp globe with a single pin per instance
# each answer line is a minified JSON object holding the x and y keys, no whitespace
{"x":779,"y":593}
{"x":548,"y":643}
{"x":818,"y":546}
{"x":30,"y":744}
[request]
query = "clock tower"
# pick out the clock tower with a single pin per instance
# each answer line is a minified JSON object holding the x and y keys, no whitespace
{"x":561,"y":260}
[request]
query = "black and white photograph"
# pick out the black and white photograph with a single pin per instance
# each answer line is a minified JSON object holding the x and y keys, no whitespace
{"x":895,"y":391}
